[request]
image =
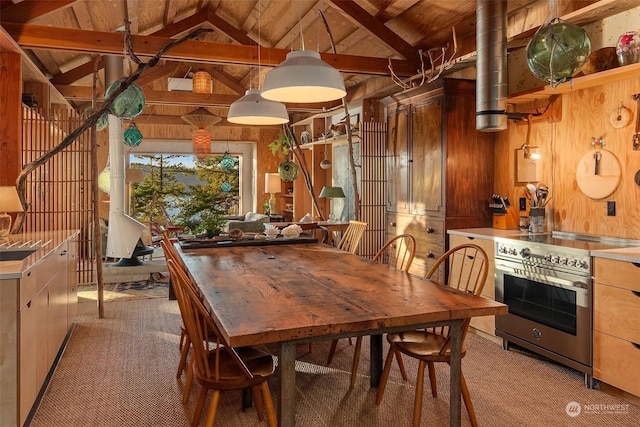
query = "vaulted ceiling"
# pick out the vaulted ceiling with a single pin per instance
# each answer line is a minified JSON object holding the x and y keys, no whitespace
{"x":365,"y":39}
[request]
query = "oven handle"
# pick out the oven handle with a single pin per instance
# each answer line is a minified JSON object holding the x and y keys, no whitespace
{"x":552,"y":281}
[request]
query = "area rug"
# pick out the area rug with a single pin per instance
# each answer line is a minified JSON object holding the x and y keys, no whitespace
{"x":157,"y":286}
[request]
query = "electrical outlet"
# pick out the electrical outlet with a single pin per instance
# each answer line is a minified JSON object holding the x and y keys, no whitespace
{"x":523,"y":204}
{"x":611,"y":208}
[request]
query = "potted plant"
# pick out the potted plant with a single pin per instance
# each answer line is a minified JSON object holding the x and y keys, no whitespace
{"x":211,"y":223}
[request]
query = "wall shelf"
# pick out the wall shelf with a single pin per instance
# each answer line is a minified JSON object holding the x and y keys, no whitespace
{"x":583,"y":82}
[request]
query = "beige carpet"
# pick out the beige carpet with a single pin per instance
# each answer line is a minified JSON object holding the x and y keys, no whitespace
{"x":120,"y":371}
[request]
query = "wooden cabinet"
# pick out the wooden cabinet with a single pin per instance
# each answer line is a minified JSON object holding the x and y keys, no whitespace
{"x":439,"y":168}
{"x":37,"y":311}
{"x":616,"y":324}
{"x":486,"y":324}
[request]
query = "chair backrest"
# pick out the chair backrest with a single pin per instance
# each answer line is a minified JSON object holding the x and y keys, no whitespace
{"x":467,"y":267}
{"x":204,"y":334}
{"x":398,"y":252}
{"x":170,"y":252}
{"x":352,"y":236}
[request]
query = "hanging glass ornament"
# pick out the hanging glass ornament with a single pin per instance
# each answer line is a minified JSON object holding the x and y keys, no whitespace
{"x":104,"y":179}
{"x":128,"y":104}
{"x":132,"y":136}
{"x":226,"y":186}
{"x":558,"y":51}
{"x":103,"y":120}
{"x":288,"y":171}
{"x":227,"y":163}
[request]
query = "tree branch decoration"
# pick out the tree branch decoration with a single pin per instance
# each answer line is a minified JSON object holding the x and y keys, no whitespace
{"x":125,"y":82}
{"x":347,"y":123}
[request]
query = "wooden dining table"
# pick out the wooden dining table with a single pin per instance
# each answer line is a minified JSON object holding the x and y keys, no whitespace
{"x":292,"y":294}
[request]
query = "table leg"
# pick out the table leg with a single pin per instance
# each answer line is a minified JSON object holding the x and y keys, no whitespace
{"x":375,"y":366}
{"x":456,"y":369}
{"x":287,"y":372}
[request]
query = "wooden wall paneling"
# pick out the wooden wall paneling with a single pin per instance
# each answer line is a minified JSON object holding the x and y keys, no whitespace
{"x":585,"y":114}
{"x":11,"y":116}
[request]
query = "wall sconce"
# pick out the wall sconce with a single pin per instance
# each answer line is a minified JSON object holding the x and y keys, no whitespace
{"x":272,"y":185}
{"x":9,"y":202}
{"x":201,"y":82}
{"x":528,"y":165}
{"x":530,"y":152}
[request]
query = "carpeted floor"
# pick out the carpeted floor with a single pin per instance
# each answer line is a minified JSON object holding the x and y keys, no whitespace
{"x":120,"y":371}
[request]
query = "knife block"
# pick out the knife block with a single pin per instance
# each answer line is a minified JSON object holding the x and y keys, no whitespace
{"x":506,"y":221}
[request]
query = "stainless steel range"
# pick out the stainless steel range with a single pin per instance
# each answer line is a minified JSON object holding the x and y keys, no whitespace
{"x":546,"y":280}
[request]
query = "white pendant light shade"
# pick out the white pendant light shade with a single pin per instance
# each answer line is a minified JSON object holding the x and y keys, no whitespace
{"x":303,"y":77}
{"x":253,"y":109}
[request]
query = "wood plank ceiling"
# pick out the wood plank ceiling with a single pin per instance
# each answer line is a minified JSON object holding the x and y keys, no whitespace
{"x":64,"y":38}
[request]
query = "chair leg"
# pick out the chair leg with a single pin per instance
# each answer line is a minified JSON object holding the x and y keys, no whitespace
{"x":332,"y":351}
{"x":356,"y":361}
{"x":213,"y":409}
{"x":183,"y":356}
{"x":182,"y":337}
{"x":403,"y":371}
{"x":432,"y":379}
{"x":197,"y":413}
{"x":257,"y":402}
{"x":467,"y":401}
{"x":417,"y":405}
{"x":187,"y":384}
{"x":385,"y":375}
{"x":268,"y":405}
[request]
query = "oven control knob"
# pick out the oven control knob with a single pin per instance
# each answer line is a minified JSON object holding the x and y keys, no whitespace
{"x":582,"y":264}
{"x":554,"y":259}
{"x":571,"y":262}
{"x":502,"y":249}
{"x":562,"y":260}
{"x":525,"y":253}
{"x":513,"y":251}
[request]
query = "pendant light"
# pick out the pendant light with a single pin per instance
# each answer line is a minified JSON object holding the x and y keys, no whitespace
{"x":201,"y":140}
{"x":201,"y":82}
{"x":202,"y":119}
{"x":254,"y":109}
{"x":303,"y":77}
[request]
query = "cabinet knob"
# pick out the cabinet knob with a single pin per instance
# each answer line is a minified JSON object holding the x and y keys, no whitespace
{"x":430,"y":255}
{"x":393,"y":224}
{"x":430,"y":230}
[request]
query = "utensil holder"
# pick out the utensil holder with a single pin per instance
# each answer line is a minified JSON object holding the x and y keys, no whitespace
{"x":536,"y":220}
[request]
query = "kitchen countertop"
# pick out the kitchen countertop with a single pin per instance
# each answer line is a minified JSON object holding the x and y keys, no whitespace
{"x":619,"y":254}
{"x":630,"y":254}
{"x":50,"y":241}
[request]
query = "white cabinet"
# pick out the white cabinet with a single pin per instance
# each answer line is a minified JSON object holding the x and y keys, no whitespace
{"x":36,"y":312}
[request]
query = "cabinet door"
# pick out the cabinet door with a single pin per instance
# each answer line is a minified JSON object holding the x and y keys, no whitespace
{"x":57,"y":315}
{"x":398,"y":161}
{"x":29,"y":386}
{"x":72,"y":282}
{"x":426,"y":157}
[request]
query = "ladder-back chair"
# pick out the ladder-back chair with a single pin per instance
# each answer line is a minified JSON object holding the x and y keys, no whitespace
{"x":467,"y":273}
{"x":352,"y":236}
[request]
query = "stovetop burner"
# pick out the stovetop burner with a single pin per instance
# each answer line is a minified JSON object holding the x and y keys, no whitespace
{"x":565,"y":241}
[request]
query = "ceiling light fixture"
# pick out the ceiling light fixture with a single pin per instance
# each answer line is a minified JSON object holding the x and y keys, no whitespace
{"x":201,"y":82}
{"x":303,"y":77}
{"x":201,"y":138}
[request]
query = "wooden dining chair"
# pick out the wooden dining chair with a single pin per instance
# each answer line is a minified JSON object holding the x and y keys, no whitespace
{"x":352,"y":236}
{"x":214,"y":364}
{"x":185,"y":342}
{"x":398,"y":252}
{"x":467,"y":267}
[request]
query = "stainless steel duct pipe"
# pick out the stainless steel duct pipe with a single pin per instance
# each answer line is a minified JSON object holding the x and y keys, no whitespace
{"x":491,"y":84}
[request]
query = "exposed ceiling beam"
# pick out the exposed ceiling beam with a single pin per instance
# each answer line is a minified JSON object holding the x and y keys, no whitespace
{"x":222,"y":25}
{"x":28,"y":10}
{"x":377,"y":29}
{"x":67,"y":39}
{"x":158,"y":97}
{"x":227,"y":80}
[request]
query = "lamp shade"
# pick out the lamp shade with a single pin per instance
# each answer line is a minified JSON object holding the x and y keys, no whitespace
{"x":104,"y":179}
{"x":202,"y":82}
{"x":201,"y":143}
{"x":272,"y":183}
{"x":303,"y":77}
{"x":332,"y":192}
{"x":253,"y":109}
{"x":9,"y":200}
{"x":201,"y":118}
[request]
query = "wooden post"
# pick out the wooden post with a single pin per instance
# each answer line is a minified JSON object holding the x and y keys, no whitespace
{"x":11,"y":113}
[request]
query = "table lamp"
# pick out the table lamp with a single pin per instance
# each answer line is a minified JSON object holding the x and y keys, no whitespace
{"x":331,"y":193}
{"x":9,"y":202}
{"x":272,"y":185}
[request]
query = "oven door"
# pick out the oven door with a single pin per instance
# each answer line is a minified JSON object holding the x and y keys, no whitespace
{"x":548,"y":309}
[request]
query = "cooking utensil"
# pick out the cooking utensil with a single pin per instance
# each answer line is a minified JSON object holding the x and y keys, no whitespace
{"x":636,"y":135}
